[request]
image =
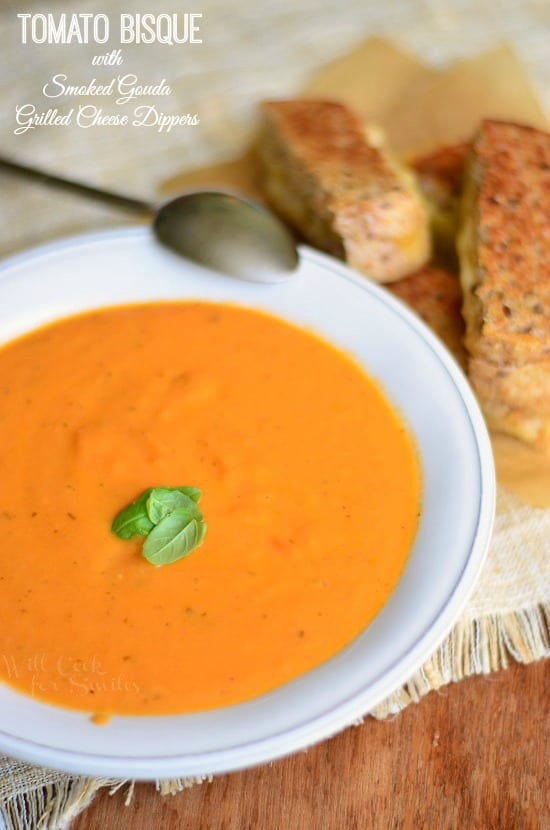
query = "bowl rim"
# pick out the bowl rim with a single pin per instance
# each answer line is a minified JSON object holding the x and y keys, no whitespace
{"x":348,"y":711}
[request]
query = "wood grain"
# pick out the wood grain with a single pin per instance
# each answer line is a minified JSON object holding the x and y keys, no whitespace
{"x":473,"y":757}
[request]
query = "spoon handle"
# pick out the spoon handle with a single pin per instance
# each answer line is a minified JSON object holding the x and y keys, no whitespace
{"x":117,"y":199}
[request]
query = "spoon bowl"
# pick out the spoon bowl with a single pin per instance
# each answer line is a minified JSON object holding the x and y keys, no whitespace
{"x":229,"y":234}
{"x":221,"y":231}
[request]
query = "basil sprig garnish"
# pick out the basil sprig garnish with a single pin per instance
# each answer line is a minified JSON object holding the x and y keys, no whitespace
{"x":170,"y":519}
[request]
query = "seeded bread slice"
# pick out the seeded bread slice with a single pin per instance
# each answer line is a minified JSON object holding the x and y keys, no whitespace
{"x":439,"y":175}
{"x":504,"y":247}
{"x":525,"y":423}
{"x":343,"y":195}
{"x":504,"y":244}
{"x":435,"y":295}
{"x":515,"y":399}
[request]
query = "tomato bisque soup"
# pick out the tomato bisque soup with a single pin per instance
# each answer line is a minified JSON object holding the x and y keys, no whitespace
{"x":310,"y":491}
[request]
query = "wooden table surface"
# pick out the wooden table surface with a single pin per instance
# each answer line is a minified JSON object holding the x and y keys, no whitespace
{"x":473,"y":757}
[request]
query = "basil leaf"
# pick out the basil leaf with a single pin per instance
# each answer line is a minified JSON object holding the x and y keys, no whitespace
{"x":193,"y":492}
{"x":175,"y":536}
{"x":164,"y":500}
{"x":169,"y":517}
{"x":133,"y":519}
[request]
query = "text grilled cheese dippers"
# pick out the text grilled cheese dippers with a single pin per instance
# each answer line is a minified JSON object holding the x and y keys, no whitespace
{"x":504,"y":247}
{"x":342,"y":194}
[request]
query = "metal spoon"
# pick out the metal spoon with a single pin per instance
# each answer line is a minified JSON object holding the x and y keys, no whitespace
{"x":219,"y":230}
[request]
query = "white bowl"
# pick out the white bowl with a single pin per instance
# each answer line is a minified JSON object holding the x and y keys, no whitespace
{"x":421,"y":380}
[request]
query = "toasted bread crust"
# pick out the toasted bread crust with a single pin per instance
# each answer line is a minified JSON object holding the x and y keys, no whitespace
{"x":515,"y":399}
{"x":435,"y":295}
{"x":526,"y":424}
{"x":526,"y":386}
{"x":343,"y":195}
{"x":440,"y":173}
{"x":507,"y":297}
{"x":504,"y":249}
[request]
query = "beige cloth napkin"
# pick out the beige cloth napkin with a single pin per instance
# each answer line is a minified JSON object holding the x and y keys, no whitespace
{"x":254,"y":50}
